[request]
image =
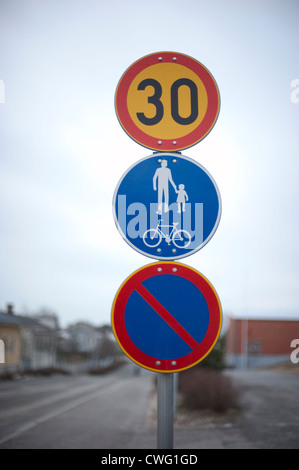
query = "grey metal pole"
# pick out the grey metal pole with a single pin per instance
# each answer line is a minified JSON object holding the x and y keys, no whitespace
{"x":175,"y":393}
{"x":165,"y":411}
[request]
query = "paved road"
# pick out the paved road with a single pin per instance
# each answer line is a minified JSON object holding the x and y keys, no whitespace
{"x":117,"y":412}
{"x":83,"y":412}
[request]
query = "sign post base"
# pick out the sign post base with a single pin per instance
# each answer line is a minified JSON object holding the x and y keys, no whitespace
{"x":165,"y":409}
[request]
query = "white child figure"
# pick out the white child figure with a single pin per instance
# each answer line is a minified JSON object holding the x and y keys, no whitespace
{"x":182,"y":198}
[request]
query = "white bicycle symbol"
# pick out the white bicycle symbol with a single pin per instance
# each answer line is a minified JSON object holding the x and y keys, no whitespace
{"x":153,"y":236}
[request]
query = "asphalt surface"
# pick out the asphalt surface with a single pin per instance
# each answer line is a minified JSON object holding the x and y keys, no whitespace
{"x":76,"y":412}
{"x":268,"y":415}
{"x":118,"y":411}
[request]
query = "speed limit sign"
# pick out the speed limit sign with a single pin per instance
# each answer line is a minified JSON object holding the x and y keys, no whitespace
{"x":167,"y":101}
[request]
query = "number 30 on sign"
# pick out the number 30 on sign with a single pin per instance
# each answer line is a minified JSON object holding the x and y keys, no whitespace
{"x":167,"y":101}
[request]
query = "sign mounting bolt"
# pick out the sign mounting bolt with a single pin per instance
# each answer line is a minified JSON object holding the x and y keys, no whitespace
{"x":160,"y":142}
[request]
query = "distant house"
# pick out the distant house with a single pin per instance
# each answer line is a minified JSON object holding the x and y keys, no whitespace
{"x":29,"y":344}
{"x":50,"y":320}
{"x":32,"y":343}
{"x":85,"y":337}
{"x":38,"y":344}
{"x":83,"y":347}
{"x":259,"y":342}
{"x":10,"y":336}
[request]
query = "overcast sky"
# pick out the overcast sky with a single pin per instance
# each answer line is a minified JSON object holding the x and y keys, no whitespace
{"x":63,"y":151}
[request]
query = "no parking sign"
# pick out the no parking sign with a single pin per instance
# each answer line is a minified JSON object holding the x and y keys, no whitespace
{"x":166,"y":317}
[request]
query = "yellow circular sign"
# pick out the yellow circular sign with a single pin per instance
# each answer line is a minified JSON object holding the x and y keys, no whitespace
{"x":180,"y":87}
{"x":167,"y":101}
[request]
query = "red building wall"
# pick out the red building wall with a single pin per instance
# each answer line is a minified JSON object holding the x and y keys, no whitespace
{"x":262,"y":336}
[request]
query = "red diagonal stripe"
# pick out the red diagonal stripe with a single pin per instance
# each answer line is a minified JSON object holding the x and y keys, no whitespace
{"x":170,"y":320}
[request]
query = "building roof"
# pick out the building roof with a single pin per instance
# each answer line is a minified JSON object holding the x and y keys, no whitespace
{"x":6,"y":319}
{"x":267,"y":317}
{"x":23,"y":321}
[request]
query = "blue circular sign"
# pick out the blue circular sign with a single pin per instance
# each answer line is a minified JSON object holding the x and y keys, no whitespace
{"x":167,"y":206}
{"x":167,"y":289}
{"x":166,"y":316}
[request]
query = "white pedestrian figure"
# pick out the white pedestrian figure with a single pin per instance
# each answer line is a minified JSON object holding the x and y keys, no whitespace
{"x":164,"y":177}
{"x":182,"y":198}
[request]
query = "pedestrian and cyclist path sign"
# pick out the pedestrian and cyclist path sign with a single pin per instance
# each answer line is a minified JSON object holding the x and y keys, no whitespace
{"x":167,"y":206}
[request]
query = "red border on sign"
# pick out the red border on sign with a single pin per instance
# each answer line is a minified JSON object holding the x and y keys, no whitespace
{"x":167,"y":144}
{"x":200,"y":350}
